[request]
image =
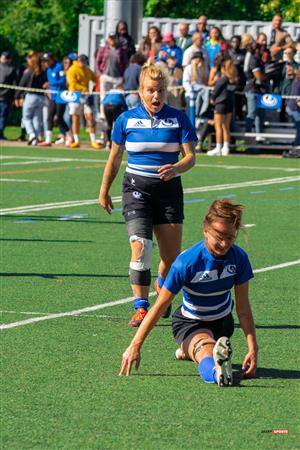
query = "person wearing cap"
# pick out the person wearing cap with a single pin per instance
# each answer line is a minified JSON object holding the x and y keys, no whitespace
{"x":7,"y":76}
{"x":79,"y":77}
{"x":170,"y":48}
{"x":56,"y":82}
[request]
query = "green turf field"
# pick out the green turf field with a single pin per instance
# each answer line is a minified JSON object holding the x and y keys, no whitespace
{"x":61,"y":256}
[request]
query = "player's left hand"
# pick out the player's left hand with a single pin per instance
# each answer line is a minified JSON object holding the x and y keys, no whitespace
{"x":167,"y":172}
{"x":250,"y":365}
{"x":131,"y":354}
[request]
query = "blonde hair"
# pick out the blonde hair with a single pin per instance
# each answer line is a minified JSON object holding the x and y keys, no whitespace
{"x":228,"y":69}
{"x":247,"y":40}
{"x":224,"y":211}
{"x":154,"y":72}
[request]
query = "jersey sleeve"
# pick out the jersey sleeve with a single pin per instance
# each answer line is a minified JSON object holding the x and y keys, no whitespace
{"x":188,"y":133}
{"x":119,"y":131}
{"x":176,"y":277}
{"x":245,"y":272}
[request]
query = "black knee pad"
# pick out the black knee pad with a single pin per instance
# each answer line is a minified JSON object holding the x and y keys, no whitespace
{"x":140,"y":277}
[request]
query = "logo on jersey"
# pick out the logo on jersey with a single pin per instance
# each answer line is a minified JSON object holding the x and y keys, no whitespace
{"x":139,"y":123}
{"x":132,"y":181}
{"x":170,"y":123}
{"x":137,"y":195}
{"x":229,"y":271}
{"x":204,"y":276}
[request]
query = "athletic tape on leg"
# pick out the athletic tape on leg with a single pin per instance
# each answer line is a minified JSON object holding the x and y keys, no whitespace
{"x":144,"y":260}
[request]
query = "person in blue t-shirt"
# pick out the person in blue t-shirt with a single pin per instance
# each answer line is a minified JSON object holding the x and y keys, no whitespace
{"x":154,"y":135}
{"x":203,"y":324}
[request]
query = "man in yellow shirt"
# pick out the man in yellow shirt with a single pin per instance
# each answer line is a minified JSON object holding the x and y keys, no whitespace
{"x":79,"y":77}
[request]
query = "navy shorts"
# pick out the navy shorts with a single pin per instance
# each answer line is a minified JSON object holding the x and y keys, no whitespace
{"x":158,"y":201}
{"x":224,"y":108}
{"x":183,"y":327}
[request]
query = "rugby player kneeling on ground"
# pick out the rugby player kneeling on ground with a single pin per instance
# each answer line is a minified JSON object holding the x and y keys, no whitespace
{"x":203,"y":324}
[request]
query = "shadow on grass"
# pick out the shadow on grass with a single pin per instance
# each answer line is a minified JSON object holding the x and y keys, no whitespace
{"x":274,"y":327}
{"x":58,"y":219}
{"x":59,"y":275}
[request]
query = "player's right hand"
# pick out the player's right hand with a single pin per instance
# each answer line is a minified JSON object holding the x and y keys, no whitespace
{"x":131,"y":354}
{"x":106,"y":203}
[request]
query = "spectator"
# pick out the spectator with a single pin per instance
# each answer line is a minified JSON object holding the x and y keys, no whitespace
{"x":255,"y":84}
{"x":7,"y":76}
{"x":223,"y":100}
{"x":150,"y":46}
{"x":184,"y":40}
{"x":195,"y":48}
{"x":114,"y":104}
{"x":111,"y":62}
{"x":125,"y":40}
{"x":79,"y":77}
{"x":279,"y":39}
{"x":201,"y":27}
{"x":288,"y":74}
{"x":174,"y":96}
{"x":238,"y":55}
{"x":56,"y":82}
{"x":215,"y":44}
{"x":293,"y":110}
{"x":194,"y":77}
{"x":33,"y":77}
{"x":131,"y":80}
{"x":170,"y":48}
{"x":265,"y":54}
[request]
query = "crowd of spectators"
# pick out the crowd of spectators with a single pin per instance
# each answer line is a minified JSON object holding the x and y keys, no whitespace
{"x":199,"y":62}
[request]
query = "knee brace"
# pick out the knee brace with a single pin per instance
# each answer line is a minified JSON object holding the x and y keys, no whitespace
{"x":200,"y":344}
{"x":140,"y":269}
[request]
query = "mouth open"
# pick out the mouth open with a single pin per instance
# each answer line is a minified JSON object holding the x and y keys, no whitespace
{"x":156,"y":104}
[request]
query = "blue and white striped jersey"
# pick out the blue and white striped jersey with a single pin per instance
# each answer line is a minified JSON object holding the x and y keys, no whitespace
{"x":151,"y":143}
{"x":206,"y":281}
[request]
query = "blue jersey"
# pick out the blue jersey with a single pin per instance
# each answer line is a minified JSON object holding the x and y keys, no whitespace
{"x":206,"y":281}
{"x":151,"y":143}
{"x":57,"y":79}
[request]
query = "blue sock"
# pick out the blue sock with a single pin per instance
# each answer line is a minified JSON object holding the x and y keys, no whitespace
{"x":207,"y":369}
{"x":160,"y":280}
{"x":141,"y":302}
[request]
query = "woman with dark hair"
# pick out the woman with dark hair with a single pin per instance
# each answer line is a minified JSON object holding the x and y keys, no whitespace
{"x":151,"y":45}
{"x":33,"y":77}
{"x":125,"y":40}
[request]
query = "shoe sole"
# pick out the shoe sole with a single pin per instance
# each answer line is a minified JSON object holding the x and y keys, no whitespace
{"x":222,"y":356}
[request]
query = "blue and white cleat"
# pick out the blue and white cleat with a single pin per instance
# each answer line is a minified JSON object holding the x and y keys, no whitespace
{"x":222,"y":356}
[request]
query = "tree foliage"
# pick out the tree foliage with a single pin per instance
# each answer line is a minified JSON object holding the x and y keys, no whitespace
{"x":224,"y":9}
{"x":43,"y":25}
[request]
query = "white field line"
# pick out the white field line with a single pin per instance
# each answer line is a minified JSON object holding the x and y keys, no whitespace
{"x":122,"y":301}
{"x":217,"y":187}
{"x":217,"y":166}
{"x":52,"y":161}
{"x":15,"y":180}
{"x":43,"y":159}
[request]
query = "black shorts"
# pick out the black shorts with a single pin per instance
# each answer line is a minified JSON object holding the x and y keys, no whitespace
{"x":224,"y":108}
{"x":157,"y":201}
{"x":182,"y":327}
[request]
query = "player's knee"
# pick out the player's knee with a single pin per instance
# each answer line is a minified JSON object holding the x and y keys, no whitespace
{"x":140,"y":273}
{"x":143,"y":261}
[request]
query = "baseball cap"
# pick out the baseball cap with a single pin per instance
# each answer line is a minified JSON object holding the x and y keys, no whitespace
{"x":73,"y":56}
{"x":168,"y":37}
